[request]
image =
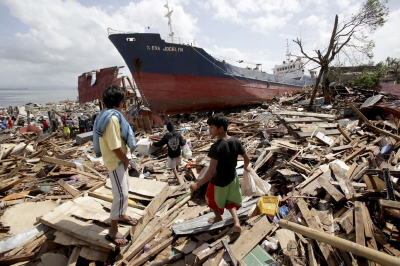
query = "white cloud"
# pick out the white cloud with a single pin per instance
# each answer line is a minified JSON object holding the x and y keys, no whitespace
{"x":387,"y":38}
{"x":66,"y":38}
{"x":265,"y":24}
{"x":225,"y":11}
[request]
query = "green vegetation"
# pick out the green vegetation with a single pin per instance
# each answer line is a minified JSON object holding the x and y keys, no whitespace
{"x":368,"y":79}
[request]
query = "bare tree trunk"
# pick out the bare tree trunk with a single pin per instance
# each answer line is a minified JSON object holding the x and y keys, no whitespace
{"x":314,"y":92}
{"x":327,"y":93}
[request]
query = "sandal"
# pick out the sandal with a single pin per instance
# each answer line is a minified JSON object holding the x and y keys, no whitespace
{"x":112,"y":239}
{"x":129,"y":220}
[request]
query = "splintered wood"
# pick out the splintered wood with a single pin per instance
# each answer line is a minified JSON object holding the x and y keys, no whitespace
{"x":333,"y":171}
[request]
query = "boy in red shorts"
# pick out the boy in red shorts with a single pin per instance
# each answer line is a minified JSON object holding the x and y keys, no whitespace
{"x":223,"y":188}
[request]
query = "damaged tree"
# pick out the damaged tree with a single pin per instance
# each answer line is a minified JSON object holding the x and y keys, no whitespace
{"x":350,"y":38}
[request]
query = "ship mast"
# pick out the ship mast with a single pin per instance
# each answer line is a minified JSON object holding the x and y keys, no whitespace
{"x":168,"y":15}
{"x":287,"y":52}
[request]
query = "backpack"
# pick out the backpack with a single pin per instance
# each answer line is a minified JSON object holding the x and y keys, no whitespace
{"x":173,"y":143}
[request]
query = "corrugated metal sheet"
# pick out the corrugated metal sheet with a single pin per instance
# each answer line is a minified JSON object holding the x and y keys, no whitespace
{"x":372,"y":100}
{"x":201,"y":224}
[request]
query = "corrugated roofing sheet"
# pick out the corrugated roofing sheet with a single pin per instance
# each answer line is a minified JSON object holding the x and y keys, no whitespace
{"x":201,"y":224}
{"x":372,"y":100}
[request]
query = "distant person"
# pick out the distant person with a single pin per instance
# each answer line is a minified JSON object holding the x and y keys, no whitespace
{"x":111,"y":135}
{"x":10,"y":123}
{"x":5,"y":122}
{"x":66,"y":129}
{"x":174,"y":140}
{"x":223,"y":189}
{"x":81,"y":124}
{"x":70,"y":123}
{"x":46,"y":126}
{"x":88,"y":124}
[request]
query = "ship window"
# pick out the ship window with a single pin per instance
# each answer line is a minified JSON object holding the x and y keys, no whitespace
{"x":130,"y":39}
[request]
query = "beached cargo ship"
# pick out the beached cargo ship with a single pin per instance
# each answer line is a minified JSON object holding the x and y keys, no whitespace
{"x":173,"y":77}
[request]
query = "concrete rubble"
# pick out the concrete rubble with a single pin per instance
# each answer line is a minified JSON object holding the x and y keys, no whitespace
{"x":333,"y":199}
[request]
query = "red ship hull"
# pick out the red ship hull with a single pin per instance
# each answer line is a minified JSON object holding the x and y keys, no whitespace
{"x":170,"y":94}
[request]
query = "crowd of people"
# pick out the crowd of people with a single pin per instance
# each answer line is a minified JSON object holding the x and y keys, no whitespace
{"x":7,"y":123}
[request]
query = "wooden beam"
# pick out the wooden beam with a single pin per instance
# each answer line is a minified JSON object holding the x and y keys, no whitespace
{"x":336,"y":194}
{"x":315,"y":225}
{"x":230,"y":253}
{"x":354,"y":154}
{"x":389,"y":204}
{"x":337,"y":242}
{"x":17,"y":258}
{"x":13,"y":172}
{"x":359,"y":223}
{"x":73,"y":259}
{"x":153,"y":251}
{"x":344,"y":183}
{"x":308,"y":114}
{"x":381,"y":131}
{"x":68,"y":188}
{"x":47,"y":159}
{"x":250,"y":238}
{"x":345,"y":135}
{"x":355,"y":109}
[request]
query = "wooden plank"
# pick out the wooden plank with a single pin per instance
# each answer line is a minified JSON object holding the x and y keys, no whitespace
{"x":187,"y":247}
{"x":250,"y":238}
{"x":326,"y":132}
{"x":140,"y":242}
{"x":354,"y":154}
{"x":73,"y":259}
{"x":217,"y":259}
{"x":234,"y":262}
{"x":314,"y":176}
{"x":325,"y":139}
{"x":153,"y":251}
{"x":314,"y":224}
{"x":344,"y":183}
{"x":345,"y":135}
{"x":304,"y":120}
{"x":351,"y":169}
{"x":355,"y":109}
{"x":369,"y":227}
{"x":68,"y":188}
{"x":17,"y":258}
{"x":94,"y":255}
{"x":381,"y":131}
{"x":336,"y":194}
{"x":389,"y":204}
{"x":307,"y":114}
{"x":359,"y":223}
{"x":13,"y":172}
{"x":263,"y":161}
{"x":58,"y":161}
{"x":151,"y":208}
{"x":374,"y":182}
{"x":91,"y":233}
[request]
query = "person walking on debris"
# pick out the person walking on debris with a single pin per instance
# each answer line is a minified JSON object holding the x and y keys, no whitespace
{"x":174,"y":140}
{"x":223,"y":189}
{"x":10,"y":123}
{"x":81,"y":124}
{"x":111,"y":134}
{"x":87,"y":124}
{"x":46,"y":126}
{"x":66,"y":129}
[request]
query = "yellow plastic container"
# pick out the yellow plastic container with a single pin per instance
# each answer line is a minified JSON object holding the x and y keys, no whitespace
{"x":268,"y":204}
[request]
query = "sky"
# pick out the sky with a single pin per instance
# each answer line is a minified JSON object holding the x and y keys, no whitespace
{"x":52,"y":42}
